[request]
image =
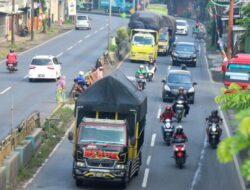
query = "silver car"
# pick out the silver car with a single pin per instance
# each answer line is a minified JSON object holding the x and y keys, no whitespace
{"x":82,"y":21}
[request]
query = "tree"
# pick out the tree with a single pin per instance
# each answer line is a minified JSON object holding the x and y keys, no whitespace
{"x":245,"y":20}
{"x":237,"y":99}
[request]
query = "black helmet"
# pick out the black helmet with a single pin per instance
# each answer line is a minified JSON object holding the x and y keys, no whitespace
{"x":215,"y":113}
{"x":11,"y":50}
{"x":183,"y":67}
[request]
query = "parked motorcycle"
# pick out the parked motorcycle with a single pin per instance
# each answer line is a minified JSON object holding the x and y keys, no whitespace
{"x":179,"y":110}
{"x":179,"y":152}
{"x":141,"y":82}
{"x":214,"y":134}
{"x":151,"y":70}
{"x":167,"y":131}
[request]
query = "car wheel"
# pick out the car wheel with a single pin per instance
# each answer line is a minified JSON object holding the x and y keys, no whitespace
{"x":30,"y":80}
{"x":76,"y":28}
{"x":174,"y":63}
{"x":192,"y":100}
{"x":194,"y":64}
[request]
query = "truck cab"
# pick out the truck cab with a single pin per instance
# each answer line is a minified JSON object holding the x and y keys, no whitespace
{"x":143,"y":45}
{"x":237,"y":70}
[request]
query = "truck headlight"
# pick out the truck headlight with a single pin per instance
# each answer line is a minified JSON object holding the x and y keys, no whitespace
{"x":191,"y":90}
{"x":80,"y":164}
{"x":119,"y":166}
{"x":166,"y":87}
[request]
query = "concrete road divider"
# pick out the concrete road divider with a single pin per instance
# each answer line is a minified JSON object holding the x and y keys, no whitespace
{"x":35,"y":138}
{"x":3,"y":177}
{"x":26,"y":151}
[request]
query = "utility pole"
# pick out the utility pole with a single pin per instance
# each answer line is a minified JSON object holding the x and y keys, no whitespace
{"x":109,"y":27}
{"x":230,"y":29}
{"x":13,"y":23}
{"x":32,"y":21}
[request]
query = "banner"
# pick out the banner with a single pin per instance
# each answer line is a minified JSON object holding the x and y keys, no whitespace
{"x":72,"y":7}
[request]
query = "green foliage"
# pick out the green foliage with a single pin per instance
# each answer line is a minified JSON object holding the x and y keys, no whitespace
{"x":246,"y":18}
{"x":121,"y":35}
{"x":113,"y":48}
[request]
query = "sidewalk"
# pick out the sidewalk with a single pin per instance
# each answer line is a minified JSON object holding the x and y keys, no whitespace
{"x":24,"y":43}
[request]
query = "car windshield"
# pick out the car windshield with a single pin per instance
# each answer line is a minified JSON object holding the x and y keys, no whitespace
{"x":179,"y":78}
{"x":144,"y":40}
{"x":178,"y":23}
{"x":185,"y":47}
{"x":81,"y":18}
{"x":239,"y":67}
{"x":163,"y":36}
{"x":102,"y":134}
{"x":41,"y":62}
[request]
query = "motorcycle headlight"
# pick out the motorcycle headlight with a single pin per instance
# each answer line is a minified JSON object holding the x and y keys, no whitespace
{"x":166,"y":87}
{"x":80,"y":164}
{"x":213,"y":129}
{"x":191,"y":90}
{"x":120,"y":166}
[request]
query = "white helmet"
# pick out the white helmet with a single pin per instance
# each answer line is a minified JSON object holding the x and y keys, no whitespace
{"x":179,"y":129}
{"x":141,"y":66}
{"x":81,"y":73}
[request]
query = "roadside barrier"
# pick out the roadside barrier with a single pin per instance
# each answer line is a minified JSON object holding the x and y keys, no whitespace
{"x":17,"y":135}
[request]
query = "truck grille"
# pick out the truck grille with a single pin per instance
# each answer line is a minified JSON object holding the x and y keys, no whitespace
{"x":102,"y":163}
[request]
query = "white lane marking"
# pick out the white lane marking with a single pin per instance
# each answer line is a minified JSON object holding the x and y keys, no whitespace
{"x":153,"y":140}
{"x":80,"y":41}
{"x":50,"y":155}
{"x":70,"y":48}
{"x":5,"y":90}
{"x":26,"y":76}
{"x":95,"y":32}
{"x":169,"y":67}
{"x":200,"y":163}
{"x":145,"y":178}
{"x":148,"y":160}
{"x":159,"y":112}
{"x":87,"y":36}
{"x":236,"y":162}
{"x":102,"y":28}
{"x":60,"y":54}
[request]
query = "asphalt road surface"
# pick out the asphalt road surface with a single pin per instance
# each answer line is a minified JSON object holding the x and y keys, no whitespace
{"x":202,"y":170}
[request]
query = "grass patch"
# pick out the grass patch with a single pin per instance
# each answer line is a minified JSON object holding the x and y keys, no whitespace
{"x":53,"y":130}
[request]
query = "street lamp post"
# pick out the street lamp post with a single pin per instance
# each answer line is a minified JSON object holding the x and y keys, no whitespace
{"x":32,"y":21}
{"x":230,"y":28}
{"x":109,"y":25}
{"x":13,"y":23}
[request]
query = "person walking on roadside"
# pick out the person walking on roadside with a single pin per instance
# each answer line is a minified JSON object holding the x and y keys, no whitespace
{"x":60,"y":92}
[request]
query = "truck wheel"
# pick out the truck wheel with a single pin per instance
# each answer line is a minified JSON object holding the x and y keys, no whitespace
{"x":79,"y":182}
{"x":127,"y":177}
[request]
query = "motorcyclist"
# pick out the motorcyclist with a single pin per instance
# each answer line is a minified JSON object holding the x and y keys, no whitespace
{"x":81,"y":81}
{"x":140,"y":71}
{"x":214,"y":118}
{"x":167,"y":114}
{"x":181,"y":95}
{"x":11,"y":58}
{"x":179,"y":134}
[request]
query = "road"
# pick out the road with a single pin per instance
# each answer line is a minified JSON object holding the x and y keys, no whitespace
{"x":202,"y":170}
{"x":77,"y":50}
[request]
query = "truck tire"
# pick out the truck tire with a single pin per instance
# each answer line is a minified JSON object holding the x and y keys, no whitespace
{"x":126,"y":178}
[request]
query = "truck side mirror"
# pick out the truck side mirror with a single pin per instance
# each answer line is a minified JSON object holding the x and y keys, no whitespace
{"x":132,"y":141}
{"x":70,"y":136}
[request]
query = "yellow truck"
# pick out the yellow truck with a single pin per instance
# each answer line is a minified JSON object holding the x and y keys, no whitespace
{"x":163,"y":46}
{"x":143,"y":44}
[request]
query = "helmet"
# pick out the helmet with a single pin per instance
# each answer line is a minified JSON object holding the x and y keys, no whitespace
{"x":11,"y":50}
{"x":181,"y":89}
{"x":168,"y":108}
{"x":81,"y":73}
{"x":179,"y":129}
{"x":141,"y":66}
{"x":215,"y":113}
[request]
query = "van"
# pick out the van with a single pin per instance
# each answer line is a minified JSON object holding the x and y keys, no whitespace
{"x":237,"y":70}
{"x":82,"y":21}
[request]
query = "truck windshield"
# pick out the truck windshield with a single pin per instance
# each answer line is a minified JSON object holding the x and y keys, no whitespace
{"x":163,"y":36}
{"x":179,"y":78}
{"x":102,"y":134}
{"x":239,"y":67}
{"x":143,"y":40}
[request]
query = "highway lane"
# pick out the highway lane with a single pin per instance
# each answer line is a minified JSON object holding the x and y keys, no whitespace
{"x":76,"y":49}
{"x":202,"y":170}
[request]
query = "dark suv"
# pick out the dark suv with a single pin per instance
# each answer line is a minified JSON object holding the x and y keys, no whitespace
{"x":176,"y":79}
{"x":184,"y":52}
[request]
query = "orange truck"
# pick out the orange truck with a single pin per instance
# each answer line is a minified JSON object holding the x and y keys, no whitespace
{"x":237,"y":70}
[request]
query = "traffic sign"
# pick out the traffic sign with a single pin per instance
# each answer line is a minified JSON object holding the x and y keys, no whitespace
{"x":224,"y":2}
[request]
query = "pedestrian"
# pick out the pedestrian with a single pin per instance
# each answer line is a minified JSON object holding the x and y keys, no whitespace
{"x":60,"y":92}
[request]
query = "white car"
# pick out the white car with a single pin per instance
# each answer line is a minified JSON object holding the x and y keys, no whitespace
{"x":44,"y":67}
{"x":82,"y":21}
{"x":181,"y":27}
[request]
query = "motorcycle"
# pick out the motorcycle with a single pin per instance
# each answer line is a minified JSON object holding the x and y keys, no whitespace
{"x":179,"y":110}
{"x":167,"y":131}
{"x":11,"y":67}
{"x":150,"y":69}
{"x":77,"y":89}
{"x":141,"y":82}
{"x":179,"y":152}
{"x":213,"y":135}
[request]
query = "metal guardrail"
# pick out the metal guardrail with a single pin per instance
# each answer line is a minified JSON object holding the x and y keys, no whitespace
{"x":8,"y":144}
